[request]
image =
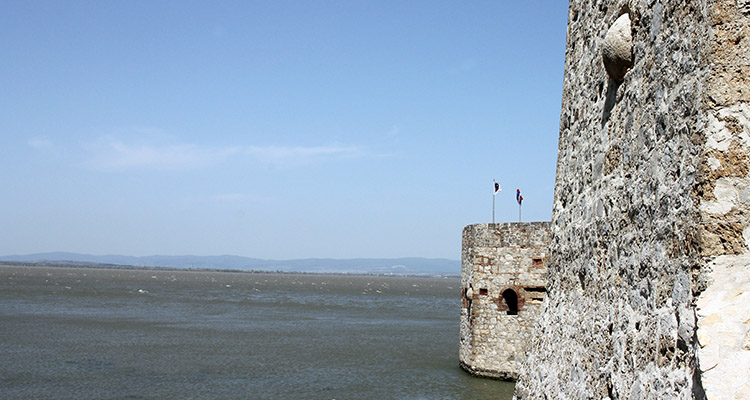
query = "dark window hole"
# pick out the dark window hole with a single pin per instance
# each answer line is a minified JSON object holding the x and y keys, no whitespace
{"x":511,"y":299}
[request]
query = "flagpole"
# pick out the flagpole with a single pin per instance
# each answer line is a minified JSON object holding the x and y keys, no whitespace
{"x":519,"y":199}
{"x":497,"y":189}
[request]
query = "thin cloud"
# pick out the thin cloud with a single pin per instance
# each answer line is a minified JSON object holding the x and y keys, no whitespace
{"x":282,"y":155}
{"x":112,"y":154}
{"x":464,"y":66}
{"x":237,"y":197}
{"x":394,"y":132}
{"x":41,"y":143}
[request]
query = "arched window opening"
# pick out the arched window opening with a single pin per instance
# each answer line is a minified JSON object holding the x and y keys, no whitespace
{"x":511,"y":300}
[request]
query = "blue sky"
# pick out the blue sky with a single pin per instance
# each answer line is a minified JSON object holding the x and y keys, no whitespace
{"x":274,"y":129}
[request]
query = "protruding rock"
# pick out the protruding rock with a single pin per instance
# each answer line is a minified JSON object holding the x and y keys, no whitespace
{"x":618,"y":48}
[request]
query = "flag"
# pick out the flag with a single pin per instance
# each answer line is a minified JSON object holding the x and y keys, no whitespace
{"x":498,"y":189}
{"x":519,"y":198}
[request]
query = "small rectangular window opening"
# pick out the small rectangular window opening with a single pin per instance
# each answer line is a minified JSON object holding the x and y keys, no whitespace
{"x":483,"y":292}
{"x":536,"y":293}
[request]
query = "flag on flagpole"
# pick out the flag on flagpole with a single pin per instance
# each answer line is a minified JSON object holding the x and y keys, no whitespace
{"x":498,"y":189}
{"x":519,"y":198}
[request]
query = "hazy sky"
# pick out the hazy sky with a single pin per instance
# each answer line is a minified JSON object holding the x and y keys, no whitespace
{"x":274,"y":129}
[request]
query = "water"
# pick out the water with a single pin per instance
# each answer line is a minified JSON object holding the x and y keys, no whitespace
{"x":137,"y":334}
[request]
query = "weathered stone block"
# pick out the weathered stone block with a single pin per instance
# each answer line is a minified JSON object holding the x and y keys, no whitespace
{"x":617,"y":51}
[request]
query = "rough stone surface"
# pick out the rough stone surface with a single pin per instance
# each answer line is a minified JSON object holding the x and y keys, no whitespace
{"x":724,"y":328}
{"x":499,"y":259}
{"x":652,"y":184}
{"x":617,"y":51}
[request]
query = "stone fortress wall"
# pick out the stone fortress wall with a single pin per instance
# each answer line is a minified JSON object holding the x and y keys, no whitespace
{"x":648,"y":291}
{"x":502,"y":288}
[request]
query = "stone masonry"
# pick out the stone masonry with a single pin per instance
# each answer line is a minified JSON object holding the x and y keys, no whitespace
{"x":647,"y":294}
{"x":502,"y":288}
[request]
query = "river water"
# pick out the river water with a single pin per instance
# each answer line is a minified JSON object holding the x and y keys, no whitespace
{"x":89,"y":333}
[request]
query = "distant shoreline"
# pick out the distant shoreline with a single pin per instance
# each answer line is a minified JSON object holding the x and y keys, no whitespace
{"x":84,"y":265}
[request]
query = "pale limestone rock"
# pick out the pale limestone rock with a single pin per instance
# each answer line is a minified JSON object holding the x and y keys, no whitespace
{"x":729,"y":193}
{"x":703,"y":338}
{"x":617,"y":51}
{"x":723,"y":311}
{"x":718,"y":136}
{"x":714,"y":163}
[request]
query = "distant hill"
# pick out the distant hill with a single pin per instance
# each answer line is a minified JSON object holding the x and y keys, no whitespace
{"x":411,"y":266}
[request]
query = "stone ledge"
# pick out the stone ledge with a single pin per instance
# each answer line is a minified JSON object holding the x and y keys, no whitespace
{"x":482,"y":373}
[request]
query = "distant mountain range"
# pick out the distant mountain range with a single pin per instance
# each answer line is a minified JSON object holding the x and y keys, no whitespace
{"x":409,"y":266}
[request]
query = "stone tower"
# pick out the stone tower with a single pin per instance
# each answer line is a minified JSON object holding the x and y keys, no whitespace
{"x":502,"y":288}
{"x":648,"y":295}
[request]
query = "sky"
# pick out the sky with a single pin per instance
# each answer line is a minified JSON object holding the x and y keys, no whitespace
{"x":274,"y":129}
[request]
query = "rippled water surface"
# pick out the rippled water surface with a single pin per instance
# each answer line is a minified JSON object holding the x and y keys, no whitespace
{"x":133,"y":334}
